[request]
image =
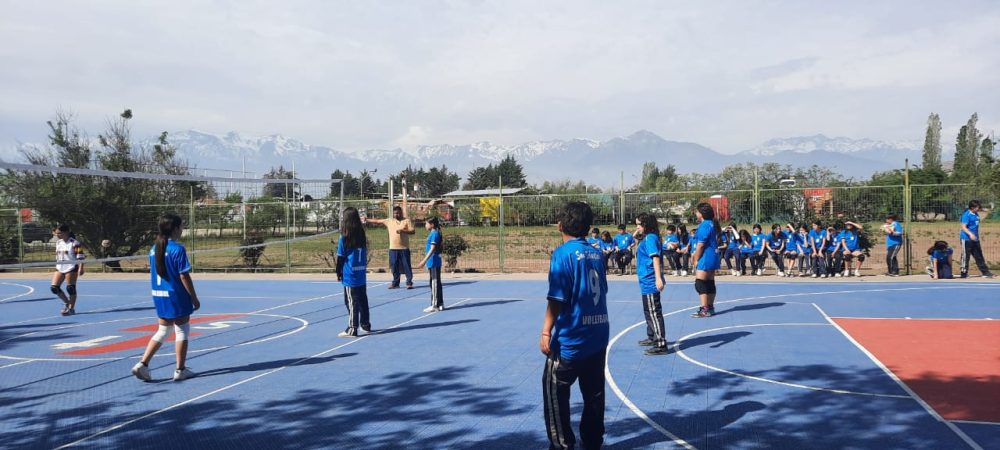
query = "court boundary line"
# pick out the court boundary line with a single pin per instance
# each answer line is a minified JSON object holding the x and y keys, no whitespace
{"x":958,"y":432}
{"x":985,"y":319}
{"x":247,"y":380}
{"x":609,"y":378}
{"x":17,"y":364}
{"x":975,"y":422}
{"x":31,"y":290}
{"x":691,"y":360}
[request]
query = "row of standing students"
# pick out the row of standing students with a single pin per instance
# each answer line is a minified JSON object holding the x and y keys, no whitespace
{"x":575,"y":327}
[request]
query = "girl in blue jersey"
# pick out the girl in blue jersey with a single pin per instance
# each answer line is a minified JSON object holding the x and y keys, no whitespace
{"x":173,"y":296}
{"x":607,"y":248}
{"x":817,"y":242}
{"x":804,"y":250}
{"x":757,"y":257}
{"x":683,"y":250}
{"x":746,"y":253}
{"x":776,"y":248}
{"x":623,"y":252}
{"x":670,"y":246}
{"x":595,"y":238}
{"x":352,"y":272}
{"x":432,"y":259}
{"x":730,"y":248}
{"x":791,"y":249}
{"x":893,"y":243}
{"x":940,"y":258}
{"x":850,"y":249}
{"x":833,"y":236}
{"x":706,"y":259}
{"x":649,"y":268}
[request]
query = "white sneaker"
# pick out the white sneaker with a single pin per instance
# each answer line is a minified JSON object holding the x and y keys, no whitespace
{"x":826,"y":275}
{"x":857,"y":273}
{"x":673,"y":273}
{"x":781,"y":274}
{"x":440,"y":308}
{"x":839,"y":275}
{"x":180,"y":375}
{"x":346,"y":334}
{"x":684,"y":273}
{"x":141,"y":372}
{"x":430,"y":309}
{"x":815,"y":275}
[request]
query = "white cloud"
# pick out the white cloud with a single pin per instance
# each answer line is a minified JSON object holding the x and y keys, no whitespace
{"x":354,"y":75}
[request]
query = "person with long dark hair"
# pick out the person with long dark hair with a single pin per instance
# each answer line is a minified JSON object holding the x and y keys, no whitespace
{"x":940,"y":259}
{"x":649,"y":269}
{"x":352,"y":272}
{"x":173,"y":295}
{"x":69,"y":267}
{"x":746,"y":252}
{"x":817,"y":240}
{"x":432,"y":259}
{"x":706,"y":238}
{"x":776,"y":247}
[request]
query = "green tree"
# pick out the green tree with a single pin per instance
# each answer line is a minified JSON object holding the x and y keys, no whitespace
{"x":932,"y":143}
{"x":511,"y":172}
{"x":965,"y":158}
{"x":350,"y":184}
{"x":986,"y":159}
{"x":99,"y":208}
{"x":283,"y":191}
{"x":481,"y":178}
{"x":430,"y":183}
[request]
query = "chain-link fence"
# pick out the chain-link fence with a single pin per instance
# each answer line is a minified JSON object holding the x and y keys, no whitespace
{"x":518,"y":234}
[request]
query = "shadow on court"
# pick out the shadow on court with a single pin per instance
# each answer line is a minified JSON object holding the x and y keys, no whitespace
{"x":737,"y":416}
{"x":479,"y":304}
{"x":751,"y":307}
{"x":32,"y":300}
{"x":398,"y":410}
{"x":424,"y":326}
{"x":714,"y":340}
{"x":269,"y":365}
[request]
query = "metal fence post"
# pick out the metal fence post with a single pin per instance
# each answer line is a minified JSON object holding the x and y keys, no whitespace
{"x":907,"y":213}
{"x":193,"y":227}
{"x":288,"y":245}
{"x":20,"y":238}
{"x":500,"y":241}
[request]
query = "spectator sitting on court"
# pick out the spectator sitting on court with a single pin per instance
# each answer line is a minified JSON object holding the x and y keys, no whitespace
{"x":683,"y":250}
{"x":623,"y":249}
{"x":670,"y":245}
{"x":595,"y":238}
{"x":940,"y":259}
{"x":607,"y":248}
{"x":400,"y":228}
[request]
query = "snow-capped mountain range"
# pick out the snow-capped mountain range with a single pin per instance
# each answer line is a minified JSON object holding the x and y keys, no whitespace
{"x":597,"y":162}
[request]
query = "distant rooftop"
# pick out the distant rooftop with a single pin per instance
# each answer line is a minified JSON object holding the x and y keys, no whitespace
{"x":482,"y":192}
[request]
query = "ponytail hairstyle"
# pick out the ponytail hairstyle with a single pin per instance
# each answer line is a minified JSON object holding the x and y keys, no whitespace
{"x":169,"y":223}
{"x":436,"y":223}
{"x":682,"y":234}
{"x":649,"y":223}
{"x":353,"y":230}
{"x":939,"y":246}
{"x":708,"y":213}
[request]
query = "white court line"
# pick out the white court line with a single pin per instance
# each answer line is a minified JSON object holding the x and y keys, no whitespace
{"x":110,"y":309}
{"x":642,"y":415}
{"x":768,"y":380}
{"x":904,"y":318}
{"x":305,"y":323}
{"x":961,"y":434}
{"x":976,"y":422}
{"x":30,"y":291}
{"x":17,"y":364}
{"x":230,"y":386}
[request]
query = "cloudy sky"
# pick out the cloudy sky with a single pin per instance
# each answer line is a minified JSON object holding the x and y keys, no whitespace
{"x":364,"y":74}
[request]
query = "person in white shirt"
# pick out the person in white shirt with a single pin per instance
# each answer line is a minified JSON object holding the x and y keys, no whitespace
{"x":69,"y":267}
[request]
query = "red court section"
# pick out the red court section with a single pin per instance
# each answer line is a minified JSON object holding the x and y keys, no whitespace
{"x":954,"y":365}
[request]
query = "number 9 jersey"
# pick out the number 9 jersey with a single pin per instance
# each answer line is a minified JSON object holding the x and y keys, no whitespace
{"x":577,"y":280}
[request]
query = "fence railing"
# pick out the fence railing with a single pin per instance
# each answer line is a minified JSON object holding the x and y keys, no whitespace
{"x":517,"y":233}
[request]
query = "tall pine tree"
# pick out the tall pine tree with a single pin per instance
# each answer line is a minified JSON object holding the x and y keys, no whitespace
{"x":932,"y":143}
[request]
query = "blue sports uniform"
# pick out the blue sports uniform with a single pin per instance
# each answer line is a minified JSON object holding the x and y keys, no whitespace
{"x":624,"y":241}
{"x":578,"y":342}
{"x":775,"y":241}
{"x":577,"y":281}
{"x":971,"y":221}
{"x":171,"y":299}
{"x":355,"y":264}
{"x":817,"y":238}
{"x":434,"y":268}
{"x":648,"y":249}
{"x":896,"y":236}
{"x":941,"y":259}
{"x":757,"y":241}
{"x":705,"y":233}
{"x":850,"y":239}
{"x":802,"y":240}
{"x":792,"y":241}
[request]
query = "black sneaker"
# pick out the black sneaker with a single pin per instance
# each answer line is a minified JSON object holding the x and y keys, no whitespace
{"x":656,"y":351}
{"x":702,"y":313}
{"x":647,"y":342}
{"x":989,"y":275}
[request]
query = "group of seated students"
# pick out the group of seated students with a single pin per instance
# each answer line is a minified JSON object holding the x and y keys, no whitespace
{"x":834,"y":251}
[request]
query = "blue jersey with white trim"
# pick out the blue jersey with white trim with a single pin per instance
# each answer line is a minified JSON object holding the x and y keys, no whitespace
{"x":577,"y":281}
{"x":648,"y":249}
{"x":355,"y":264}
{"x":971,"y":221}
{"x":433,"y":239}
{"x":706,"y":235}
{"x":896,"y":236}
{"x":170,"y":297}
